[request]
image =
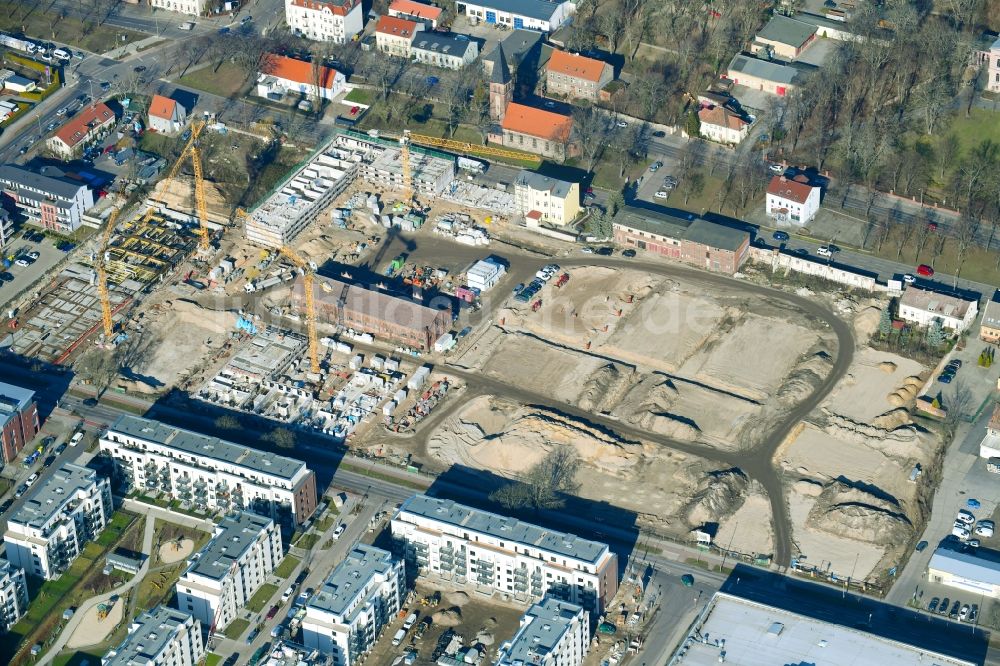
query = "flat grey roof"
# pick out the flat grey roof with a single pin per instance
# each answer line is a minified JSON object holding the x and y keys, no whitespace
{"x":13,"y":399}
{"x":536,"y":9}
{"x":49,"y":497}
{"x":762,"y":69}
{"x":233,"y":537}
{"x":550,"y":619}
{"x":209,"y":447}
{"x":716,"y":235}
{"x":149,"y":634}
{"x":786,"y":30}
{"x":760,"y":635}
{"x":57,"y":186}
{"x":537,"y":181}
{"x":966,"y":565}
{"x":991,"y":315}
{"x":438,"y":43}
{"x":504,"y":527}
{"x":348,"y":579}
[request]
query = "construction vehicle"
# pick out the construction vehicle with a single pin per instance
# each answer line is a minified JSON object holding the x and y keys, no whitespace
{"x":307,"y":285}
{"x":536,"y":305}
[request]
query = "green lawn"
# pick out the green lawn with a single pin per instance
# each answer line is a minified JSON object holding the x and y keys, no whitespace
{"x":262,"y":596}
{"x":325,"y":523}
{"x":236,"y":628}
{"x":228,"y":81}
{"x":41,"y":20}
{"x":287,"y":566}
{"x":360,"y":96}
{"x":212,"y":659}
{"x":160,"y":144}
{"x":307,"y":541}
{"x":981,"y":124}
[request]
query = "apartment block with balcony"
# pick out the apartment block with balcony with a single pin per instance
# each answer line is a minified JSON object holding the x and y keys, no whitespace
{"x":359,"y":598}
{"x":56,"y":204}
{"x":161,"y":636}
{"x":13,"y":594}
{"x":225,"y":574}
{"x":58,"y":517}
{"x":208,"y":472}
{"x":490,"y":553}
{"x":552,"y":633}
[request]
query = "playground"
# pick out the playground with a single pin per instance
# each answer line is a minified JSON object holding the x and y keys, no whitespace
{"x":176,"y":550}
{"x":97,"y":624}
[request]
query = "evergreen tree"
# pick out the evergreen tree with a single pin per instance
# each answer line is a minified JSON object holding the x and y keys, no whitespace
{"x":885,"y":323}
{"x":935,"y":334}
{"x":692,"y":125}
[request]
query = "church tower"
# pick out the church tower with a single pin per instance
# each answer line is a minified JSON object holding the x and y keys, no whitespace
{"x":501,"y":86}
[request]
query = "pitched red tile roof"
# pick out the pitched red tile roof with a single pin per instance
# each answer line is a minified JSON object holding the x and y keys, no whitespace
{"x":577,"y":66}
{"x":76,"y":129}
{"x":537,"y":122}
{"x":392,"y":25}
{"x":162,"y":107}
{"x":717,"y":115}
{"x":299,"y":71}
{"x":338,"y":8}
{"x":789,"y":189}
{"x":418,"y":9}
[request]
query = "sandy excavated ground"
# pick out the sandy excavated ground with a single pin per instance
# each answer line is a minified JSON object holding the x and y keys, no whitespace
{"x":849,"y":466}
{"x":173,"y":551}
{"x":667,"y":490}
{"x":184,"y":334}
{"x":92,"y":630}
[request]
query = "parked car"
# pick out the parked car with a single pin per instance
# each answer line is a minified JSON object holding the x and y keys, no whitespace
{"x":518,"y":288}
{"x":21,"y":490}
{"x":971,"y":503}
{"x":985,"y":528}
{"x":655,"y":166}
{"x":775,"y":168}
{"x":245,"y":20}
{"x":587,"y":250}
{"x":946,"y":377}
{"x":629,"y":253}
{"x":622,"y":124}
{"x":957,"y":606}
{"x":943,"y":606}
{"x":340,"y":530}
{"x":973,"y":543}
{"x":33,"y":255}
{"x":662,"y":194}
{"x":659,"y":134}
{"x":30,"y":481}
{"x":965,"y":517}
{"x":253,"y":635}
{"x":909,"y":279}
{"x":824,"y":251}
{"x":23,"y":262}
{"x":961,"y":532}
{"x":973,"y":613}
{"x":925,"y":270}
{"x":780,"y":236}
{"x":933,"y":605}
{"x":272,"y":611}
{"x":605,"y":251}
{"x":921,"y":546}
{"x":670,"y":182}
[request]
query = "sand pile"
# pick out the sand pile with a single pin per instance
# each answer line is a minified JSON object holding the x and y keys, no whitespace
{"x":605,"y":387}
{"x":907,"y":392}
{"x":857,"y":514}
{"x":901,"y":441}
{"x":448,"y":618}
{"x":804,"y":378}
{"x":866,"y":323}
{"x":892,"y":419}
{"x":648,"y":403}
{"x":457,"y":598}
{"x":722,"y":494}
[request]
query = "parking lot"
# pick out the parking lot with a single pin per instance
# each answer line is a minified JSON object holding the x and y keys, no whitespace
{"x":15,"y":279}
{"x":651,"y":182}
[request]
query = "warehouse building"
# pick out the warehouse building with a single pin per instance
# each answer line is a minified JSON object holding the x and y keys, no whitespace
{"x":541,"y":15}
{"x":490,"y":553}
{"x":160,"y":636}
{"x":786,"y":37}
{"x":360,"y":597}
{"x":226,"y":573}
{"x":18,"y":420}
{"x":552,"y":633}
{"x":57,"y":519}
{"x":965,"y":571}
{"x":384,"y":315}
{"x":770,"y":77}
{"x":740,"y":632}
{"x":209,"y":472}
{"x":691,"y":239}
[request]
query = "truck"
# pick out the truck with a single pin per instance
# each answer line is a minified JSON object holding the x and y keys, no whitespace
{"x":410,"y":620}
{"x":398,"y":638}
{"x":469,"y":164}
{"x":15,"y":43}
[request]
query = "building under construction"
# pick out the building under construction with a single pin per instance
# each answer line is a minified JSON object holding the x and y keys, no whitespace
{"x":431,"y":171}
{"x":147,"y":247}
{"x":382,"y":314}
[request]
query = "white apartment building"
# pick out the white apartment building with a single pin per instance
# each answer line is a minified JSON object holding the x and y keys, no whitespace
{"x":792,"y":201}
{"x":58,"y":517}
{"x":359,"y":598}
{"x":552,"y":633}
{"x":159,"y":637}
{"x":209,"y":472}
{"x":51,"y":203}
{"x":192,"y":7}
{"x":922,"y":306}
{"x":226,"y":573}
{"x":493,"y":553}
{"x":545,"y":199}
{"x":336,"y":21}
{"x":13,"y":594}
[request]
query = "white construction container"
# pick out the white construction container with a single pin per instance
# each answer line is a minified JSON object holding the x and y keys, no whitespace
{"x":356,"y":361}
{"x":392,"y":365}
{"x":419,"y":378}
{"x":388,"y":408}
{"x":378,"y":362}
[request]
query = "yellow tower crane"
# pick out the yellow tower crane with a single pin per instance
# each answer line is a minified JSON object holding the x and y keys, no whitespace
{"x":307,"y":285}
{"x":199,"y":199}
{"x":102,"y":276}
{"x":404,"y":156}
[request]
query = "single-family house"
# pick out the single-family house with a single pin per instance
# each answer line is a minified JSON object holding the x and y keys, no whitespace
{"x":721,"y":125}
{"x":922,"y":306}
{"x":577,"y":76}
{"x":89,"y":125}
{"x":770,"y":77}
{"x":541,"y":15}
{"x":166,"y":115}
{"x":440,"y":50}
{"x":336,"y":21}
{"x":786,"y":37}
{"x":280,"y":75}
{"x":536,"y":131}
{"x":540,"y":198}
{"x":395,"y":35}
{"x":410,"y":10}
{"x":792,"y":200}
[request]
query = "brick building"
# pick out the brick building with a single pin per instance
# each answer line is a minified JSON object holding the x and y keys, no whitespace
{"x":576,"y":76}
{"x":690,"y":239}
{"x":537,"y":131}
{"x":19,"y":419}
{"x":383,"y":315}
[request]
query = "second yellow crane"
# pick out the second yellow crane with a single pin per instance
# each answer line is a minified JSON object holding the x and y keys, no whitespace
{"x":310,"y":298}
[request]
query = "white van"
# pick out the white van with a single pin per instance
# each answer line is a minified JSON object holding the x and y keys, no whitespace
{"x":410,"y":620}
{"x":62,"y":54}
{"x":398,"y":638}
{"x":77,"y":438}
